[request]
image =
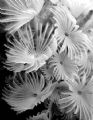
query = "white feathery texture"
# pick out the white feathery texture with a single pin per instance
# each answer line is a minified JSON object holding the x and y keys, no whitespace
{"x":86,"y":65}
{"x":79,"y":98}
{"x":27,"y":91}
{"x":64,"y":67}
{"x":68,"y":34}
{"x":50,"y":50}
{"x":31,"y":50}
{"x":47,"y":71}
{"x":78,"y":7}
{"x":19,"y":12}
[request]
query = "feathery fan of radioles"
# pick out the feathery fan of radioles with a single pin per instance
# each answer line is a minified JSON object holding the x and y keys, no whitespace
{"x":46,"y":47}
